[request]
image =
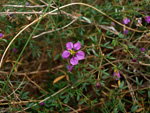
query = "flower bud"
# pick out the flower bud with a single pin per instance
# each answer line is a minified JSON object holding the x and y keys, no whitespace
{"x":97,"y":84}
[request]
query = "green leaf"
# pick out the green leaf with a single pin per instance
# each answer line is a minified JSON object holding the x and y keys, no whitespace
{"x":86,"y":19}
{"x":121,"y":85}
{"x":57,"y":57}
{"x":87,"y":50}
{"x":106,"y":43}
{"x":115,"y":42}
{"x":24,"y":95}
{"x":80,"y":17}
{"x":81,"y":102}
{"x":149,"y":94}
{"x":109,"y":47}
{"x":94,"y":52}
{"x":4,"y":40}
{"x":91,"y":66}
{"x":100,"y":20}
{"x":66,"y":99}
{"x":29,"y":104}
{"x":134,"y":108}
{"x":121,"y":35}
{"x":78,"y":97}
{"x":112,"y":58}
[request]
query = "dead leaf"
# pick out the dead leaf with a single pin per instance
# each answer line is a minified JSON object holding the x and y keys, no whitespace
{"x":67,"y":77}
{"x":58,"y":78}
{"x":139,"y":110}
{"x":118,"y":82}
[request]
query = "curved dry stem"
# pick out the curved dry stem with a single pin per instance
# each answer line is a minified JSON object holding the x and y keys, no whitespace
{"x":144,"y":64}
{"x":54,"y":30}
{"x":14,"y":39}
{"x":69,"y":107}
{"x":56,"y":10}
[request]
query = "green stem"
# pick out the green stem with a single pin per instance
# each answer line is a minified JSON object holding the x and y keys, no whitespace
{"x":110,"y":62}
{"x":24,"y":49}
{"x":51,"y":59}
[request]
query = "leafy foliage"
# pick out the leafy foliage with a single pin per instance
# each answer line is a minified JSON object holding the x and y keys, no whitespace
{"x":36,"y":78}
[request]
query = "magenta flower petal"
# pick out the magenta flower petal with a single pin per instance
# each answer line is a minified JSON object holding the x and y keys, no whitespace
{"x":116,"y":75}
{"x":134,"y":60}
{"x":11,"y":15}
{"x":147,"y":19}
{"x":80,"y":55}
{"x":126,"y":32}
{"x":42,"y":103}
{"x":70,"y":68}
{"x":74,"y":60}
{"x":1,"y":35}
{"x":15,"y":50}
{"x":139,"y":22}
{"x":77,"y":46}
{"x":126,"y":20}
{"x":27,"y":4}
{"x":69,"y":45}
{"x":143,"y":49}
{"x":65,"y":54}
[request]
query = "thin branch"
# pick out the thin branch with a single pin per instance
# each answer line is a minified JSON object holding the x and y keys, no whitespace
{"x":71,"y":4}
{"x":21,"y":102}
{"x":69,"y":107}
{"x":55,"y":30}
{"x":35,"y":84}
{"x":44,"y":2}
{"x":36,"y":6}
{"x":130,"y":88}
{"x":13,"y":91}
{"x":7,"y":13}
{"x":33,"y":72}
{"x":144,"y":64}
{"x":85,"y":108}
{"x":47,"y":97}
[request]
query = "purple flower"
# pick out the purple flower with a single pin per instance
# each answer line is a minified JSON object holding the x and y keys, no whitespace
{"x":126,"y":20}
{"x":139,"y":21}
{"x":1,"y":35}
{"x":116,"y":74}
{"x":97,"y":84}
{"x":42,"y":103}
{"x":126,"y":32}
{"x":134,"y":60}
{"x":147,"y":19}
{"x":15,"y":50}
{"x":76,"y":56}
{"x":11,"y":15}
{"x":70,"y":68}
{"x":27,"y":4}
{"x":143,"y":49}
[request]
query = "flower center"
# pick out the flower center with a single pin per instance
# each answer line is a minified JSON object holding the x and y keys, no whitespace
{"x":72,"y":52}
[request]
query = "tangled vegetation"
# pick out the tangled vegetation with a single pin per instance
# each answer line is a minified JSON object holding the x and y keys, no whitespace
{"x":60,"y":56}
